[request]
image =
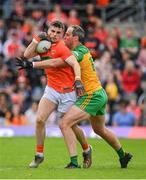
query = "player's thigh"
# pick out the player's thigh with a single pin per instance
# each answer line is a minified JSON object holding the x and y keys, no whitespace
{"x":74,"y":115}
{"x":45,"y":108}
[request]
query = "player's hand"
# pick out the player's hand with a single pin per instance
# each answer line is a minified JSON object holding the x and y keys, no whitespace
{"x":23,"y":63}
{"x":41,"y":36}
{"x":79,"y":88}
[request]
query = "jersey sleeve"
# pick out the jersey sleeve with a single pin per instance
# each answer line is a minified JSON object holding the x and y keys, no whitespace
{"x":78,"y":55}
{"x":64,"y":52}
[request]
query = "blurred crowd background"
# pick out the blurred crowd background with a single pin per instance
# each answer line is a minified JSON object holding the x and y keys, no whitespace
{"x":116,"y":44}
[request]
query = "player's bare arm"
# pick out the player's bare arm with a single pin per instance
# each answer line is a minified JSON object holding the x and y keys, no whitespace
{"x":79,"y":87}
{"x":57,"y":62}
{"x":30,"y":51}
{"x":23,"y":63}
{"x":72,"y":61}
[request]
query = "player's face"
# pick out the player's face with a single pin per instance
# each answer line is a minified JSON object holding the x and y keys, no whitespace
{"x":55,"y":34}
{"x":68,"y":38}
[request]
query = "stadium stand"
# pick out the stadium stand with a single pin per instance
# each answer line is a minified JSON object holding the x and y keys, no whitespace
{"x":114,"y":34}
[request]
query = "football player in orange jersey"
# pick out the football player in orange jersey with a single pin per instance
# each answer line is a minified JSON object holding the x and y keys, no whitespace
{"x":59,"y":93}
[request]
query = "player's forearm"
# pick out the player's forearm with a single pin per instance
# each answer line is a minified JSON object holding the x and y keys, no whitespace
{"x":30,"y":50}
{"x":57,"y":62}
{"x":77,"y":71}
{"x":72,"y":61}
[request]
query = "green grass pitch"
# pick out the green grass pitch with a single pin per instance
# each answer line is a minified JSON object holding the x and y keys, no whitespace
{"x":16,"y":153}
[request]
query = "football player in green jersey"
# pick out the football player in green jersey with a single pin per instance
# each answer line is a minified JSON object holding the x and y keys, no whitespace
{"x":89,"y":106}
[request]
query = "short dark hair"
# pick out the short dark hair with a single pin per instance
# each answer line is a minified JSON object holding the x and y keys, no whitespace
{"x":124,"y":102}
{"x":78,"y":31}
{"x":58,"y":24}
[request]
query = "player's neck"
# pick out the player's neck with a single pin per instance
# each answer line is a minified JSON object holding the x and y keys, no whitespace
{"x":75,"y":45}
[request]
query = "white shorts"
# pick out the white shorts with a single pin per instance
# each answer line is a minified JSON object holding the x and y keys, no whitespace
{"x":63,"y":100}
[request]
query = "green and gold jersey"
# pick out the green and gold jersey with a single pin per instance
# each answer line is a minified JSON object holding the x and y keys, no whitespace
{"x":88,"y":73}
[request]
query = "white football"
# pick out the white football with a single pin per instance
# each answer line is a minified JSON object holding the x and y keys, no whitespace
{"x":43,"y":46}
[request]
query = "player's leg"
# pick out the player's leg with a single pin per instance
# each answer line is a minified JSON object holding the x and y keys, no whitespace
{"x":67,"y":100}
{"x":98,"y":125}
{"x":73,"y":116}
{"x":87,"y":149}
{"x":44,"y":110}
{"x":46,"y":105}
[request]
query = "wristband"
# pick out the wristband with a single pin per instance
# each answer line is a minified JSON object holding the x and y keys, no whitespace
{"x":35,"y":41}
{"x":77,"y":78}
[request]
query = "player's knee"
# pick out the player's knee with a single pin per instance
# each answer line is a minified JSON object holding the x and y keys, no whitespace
{"x":40,"y":121}
{"x":99,"y":131}
{"x":62,"y":125}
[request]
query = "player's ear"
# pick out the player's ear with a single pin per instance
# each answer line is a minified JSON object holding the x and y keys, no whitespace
{"x":76,"y":38}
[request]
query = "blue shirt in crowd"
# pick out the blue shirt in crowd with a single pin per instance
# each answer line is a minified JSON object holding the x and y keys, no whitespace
{"x":126,"y":119}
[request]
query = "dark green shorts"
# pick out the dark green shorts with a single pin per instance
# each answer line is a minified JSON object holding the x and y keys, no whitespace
{"x":94,"y":104}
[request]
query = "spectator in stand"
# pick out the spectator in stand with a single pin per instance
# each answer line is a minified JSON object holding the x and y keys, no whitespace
{"x":112,"y":45}
{"x":112,"y":91}
{"x":130,"y":43}
{"x":31,"y":113}
{"x":57,"y":14}
{"x":22,"y":93}
{"x":130,"y":79}
{"x":2,"y":30}
{"x":89,"y":16}
{"x":73,"y":18}
{"x":103,"y":66}
{"x":38,"y":86}
{"x":101,"y":33}
{"x":18,"y":14}
{"x":122,"y":117}
{"x":125,"y":56}
{"x":141,"y":60}
{"x":7,"y":79}
{"x":27,"y":39}
{"x":112,"y":42}
{"x":27,"y":26}
{"x":134,"y":108}
{"x":17,"y":118}
{"x":12,"y":47}
{"x":38,"y":18}
{"x":5,"y":108}
{"x":92,"y":43}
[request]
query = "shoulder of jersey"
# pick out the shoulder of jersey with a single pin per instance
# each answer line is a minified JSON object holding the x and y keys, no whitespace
{"x":82,"y":49}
